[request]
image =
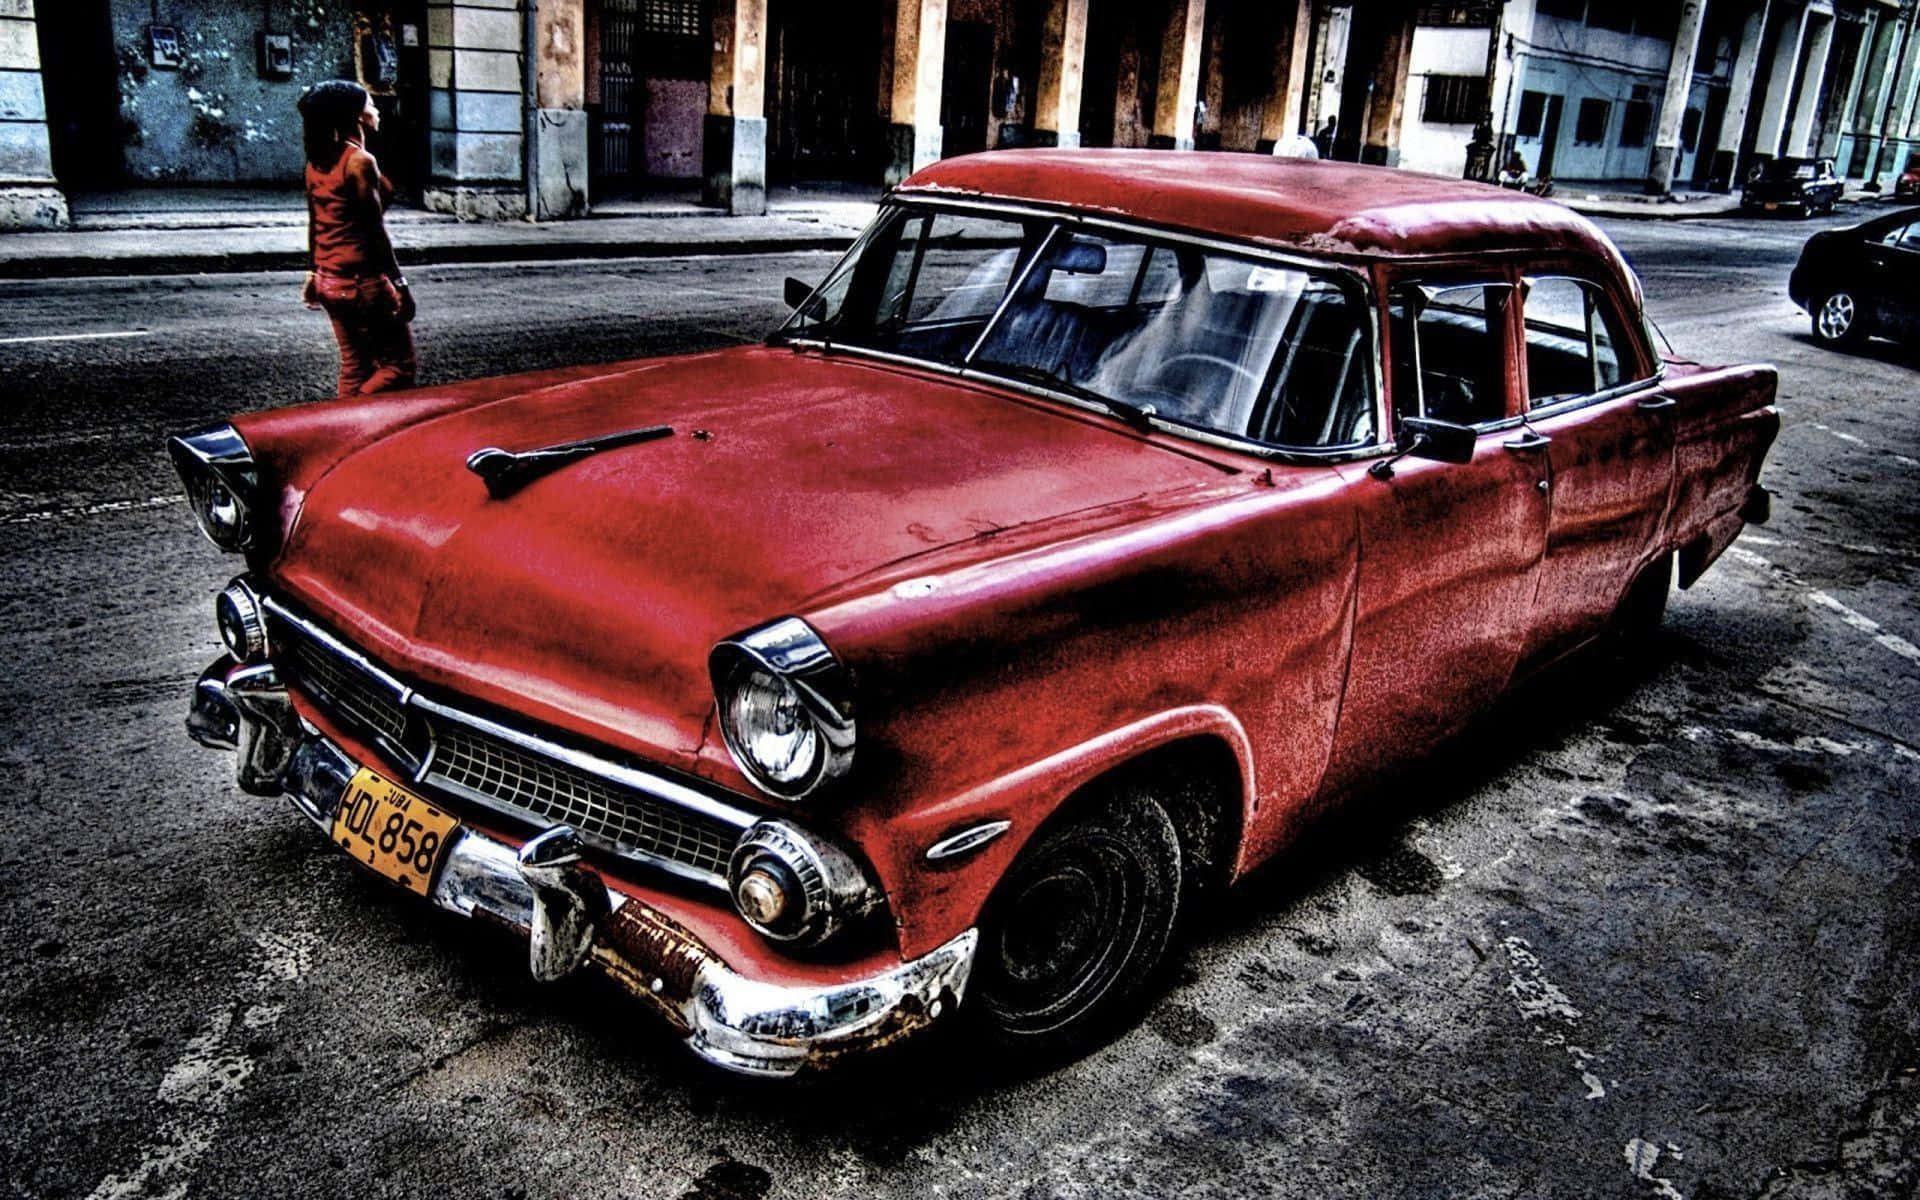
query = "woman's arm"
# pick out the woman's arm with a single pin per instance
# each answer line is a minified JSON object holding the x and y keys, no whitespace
{"x":370,"y":194}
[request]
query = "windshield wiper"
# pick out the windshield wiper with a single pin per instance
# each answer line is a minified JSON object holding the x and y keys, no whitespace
{"x":1139,"y":416}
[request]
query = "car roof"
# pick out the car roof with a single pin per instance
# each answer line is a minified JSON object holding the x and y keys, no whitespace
{"x":1330,"y":208}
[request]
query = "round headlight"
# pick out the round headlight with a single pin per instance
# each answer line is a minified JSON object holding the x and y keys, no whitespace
{"x":771,"y":727}
{"x":220,"y":477}
{"x":785,"y":706}
{"x":243,"y":625}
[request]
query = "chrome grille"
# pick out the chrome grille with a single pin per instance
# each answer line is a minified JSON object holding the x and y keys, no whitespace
{"x":358,"y":698}
{"x":556,"y":792}
{"x":617,"y":809}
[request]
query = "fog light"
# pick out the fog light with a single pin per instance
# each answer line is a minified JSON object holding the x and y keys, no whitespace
{"x":791,"y":886}
{"x":761,"y":898}
{"x":243,"y":626}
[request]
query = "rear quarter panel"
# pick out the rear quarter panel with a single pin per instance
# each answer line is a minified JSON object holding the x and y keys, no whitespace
{"x":1724,"y":423}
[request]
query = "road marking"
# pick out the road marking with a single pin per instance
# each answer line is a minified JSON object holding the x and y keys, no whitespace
{"x":1857,"y":621}
{"x":1867,"y":625}
{"x":1864,"y":444}
{"x":1543,"y":1005}
{"x":76,"y":337}
{"x":90,"y":510}
{"x":211,"y":1072}
{"x":1641,"y":1156}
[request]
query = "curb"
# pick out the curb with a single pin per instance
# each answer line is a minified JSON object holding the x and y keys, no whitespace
{"x":79,"y":266}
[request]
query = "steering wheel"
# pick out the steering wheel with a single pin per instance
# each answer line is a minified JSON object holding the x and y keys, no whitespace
{"x":1169,"y":367}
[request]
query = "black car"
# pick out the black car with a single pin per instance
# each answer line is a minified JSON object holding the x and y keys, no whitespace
{"x":1806,"y":184}
{"x":1862,"y":280}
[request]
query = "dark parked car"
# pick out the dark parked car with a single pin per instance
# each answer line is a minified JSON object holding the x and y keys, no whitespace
{"x":1807,"y":184}
{"x":1861,"y":281}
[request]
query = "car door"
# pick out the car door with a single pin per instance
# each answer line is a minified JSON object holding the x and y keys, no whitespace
{"x":1892,"y":281}
{"x":1606,"y":431}
{"x":1448,"y":551}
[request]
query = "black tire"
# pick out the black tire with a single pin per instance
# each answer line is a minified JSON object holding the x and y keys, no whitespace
{"x":1838,"y":322}
{"x":1078,"y":929}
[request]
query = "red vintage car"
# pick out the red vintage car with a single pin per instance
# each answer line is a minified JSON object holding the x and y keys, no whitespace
{"x":1100,"y":519}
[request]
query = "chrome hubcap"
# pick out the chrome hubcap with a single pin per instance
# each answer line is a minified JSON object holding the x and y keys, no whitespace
{"x":1836,"y":316}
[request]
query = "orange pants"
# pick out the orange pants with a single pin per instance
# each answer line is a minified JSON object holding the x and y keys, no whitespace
{"x":376,"y":351}
{"x":376,"y":345}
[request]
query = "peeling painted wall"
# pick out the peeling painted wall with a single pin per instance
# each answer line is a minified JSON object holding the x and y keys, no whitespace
{"x":215,"y":120}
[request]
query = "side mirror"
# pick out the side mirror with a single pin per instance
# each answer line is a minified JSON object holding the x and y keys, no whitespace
{"x":1424,"y":437}
{"x":1442,"y":441}
{"x":797,"y":292}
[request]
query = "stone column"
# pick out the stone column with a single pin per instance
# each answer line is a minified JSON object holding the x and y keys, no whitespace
{"x":475,"y":114}
{"x":28,"y":197}
{"x":1733,"y":126}
{"x":1673,"y":102}
{"x":1819,"y":46}
{"x":1839,"y":116}
{"x":734,"y":148}
{"x":919,"y":64}
{"x":1772,"y":132}
{"x":1899,"y":90}
{"x":1179,"y":88}
{"x":1063,"y":56}
{"x":561,"y":140}
{"x":1286,"y":104}
{"x":1387,"y":106}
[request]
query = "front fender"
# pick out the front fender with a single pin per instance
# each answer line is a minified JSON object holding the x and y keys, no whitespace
{"x":935,"y":900}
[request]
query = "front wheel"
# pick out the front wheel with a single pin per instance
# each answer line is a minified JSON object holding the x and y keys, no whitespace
{"x":1077,"y":930}
{"x":1837,"y":320}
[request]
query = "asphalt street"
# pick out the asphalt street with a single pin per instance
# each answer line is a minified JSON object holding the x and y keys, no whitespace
{"x":1649,"y":932}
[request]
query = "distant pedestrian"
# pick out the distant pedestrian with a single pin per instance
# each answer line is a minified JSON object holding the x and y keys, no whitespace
{"x":1323,"y":140}
{"x":355,"y":276}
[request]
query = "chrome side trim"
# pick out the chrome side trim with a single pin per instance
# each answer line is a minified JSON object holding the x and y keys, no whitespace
{"x":966,"y":841}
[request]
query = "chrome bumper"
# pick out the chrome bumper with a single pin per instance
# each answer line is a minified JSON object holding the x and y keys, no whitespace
{"x":571,"y":918}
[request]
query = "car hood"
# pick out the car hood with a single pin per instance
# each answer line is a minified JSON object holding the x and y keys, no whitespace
{"x":590,"y":598}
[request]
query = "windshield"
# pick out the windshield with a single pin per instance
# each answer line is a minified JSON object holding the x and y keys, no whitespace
{"x":1219,"y":341}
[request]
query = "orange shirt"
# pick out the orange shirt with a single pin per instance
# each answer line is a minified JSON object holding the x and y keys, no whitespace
{"x":345,"y":216}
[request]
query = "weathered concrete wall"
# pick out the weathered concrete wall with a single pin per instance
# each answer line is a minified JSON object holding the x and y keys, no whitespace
{"x":28,"y":199}
{"x":215,"y":120}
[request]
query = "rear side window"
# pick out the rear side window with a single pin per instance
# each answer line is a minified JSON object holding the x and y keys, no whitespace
{"x":1574,"y":342}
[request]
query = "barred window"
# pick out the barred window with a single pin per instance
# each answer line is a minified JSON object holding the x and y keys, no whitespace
{"x":1462,"y":14}
{"x":672,"y":18}
{"x":1454,"y":99}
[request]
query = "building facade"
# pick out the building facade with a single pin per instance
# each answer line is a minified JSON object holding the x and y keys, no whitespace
{"x":498,"y":109}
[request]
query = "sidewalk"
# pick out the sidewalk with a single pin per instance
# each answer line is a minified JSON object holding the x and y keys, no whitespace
{"x":195,"y":230}
{"x":1678,"y":206}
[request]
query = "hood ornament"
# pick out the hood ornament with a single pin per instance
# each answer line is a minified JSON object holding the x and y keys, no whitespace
{"x":507,"y":471}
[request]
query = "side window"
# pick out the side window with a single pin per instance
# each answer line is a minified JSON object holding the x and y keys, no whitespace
{"x":948,"y":267}
{"x":1449,"y":358}
{"x":1574,"y":341}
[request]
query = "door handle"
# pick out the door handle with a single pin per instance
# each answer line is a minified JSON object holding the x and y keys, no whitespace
{"x":1527,"y":442}
{"x":1656,"y":404}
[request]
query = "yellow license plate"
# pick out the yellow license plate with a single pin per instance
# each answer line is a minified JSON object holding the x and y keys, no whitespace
{"x":1772,"y":207}
{"x":392,"y":831}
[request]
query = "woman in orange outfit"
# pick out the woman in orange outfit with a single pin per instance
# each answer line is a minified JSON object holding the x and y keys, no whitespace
{"x":355,"y":276}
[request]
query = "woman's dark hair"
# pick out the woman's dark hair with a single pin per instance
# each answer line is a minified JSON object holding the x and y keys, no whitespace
{"x":329,"y":115}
